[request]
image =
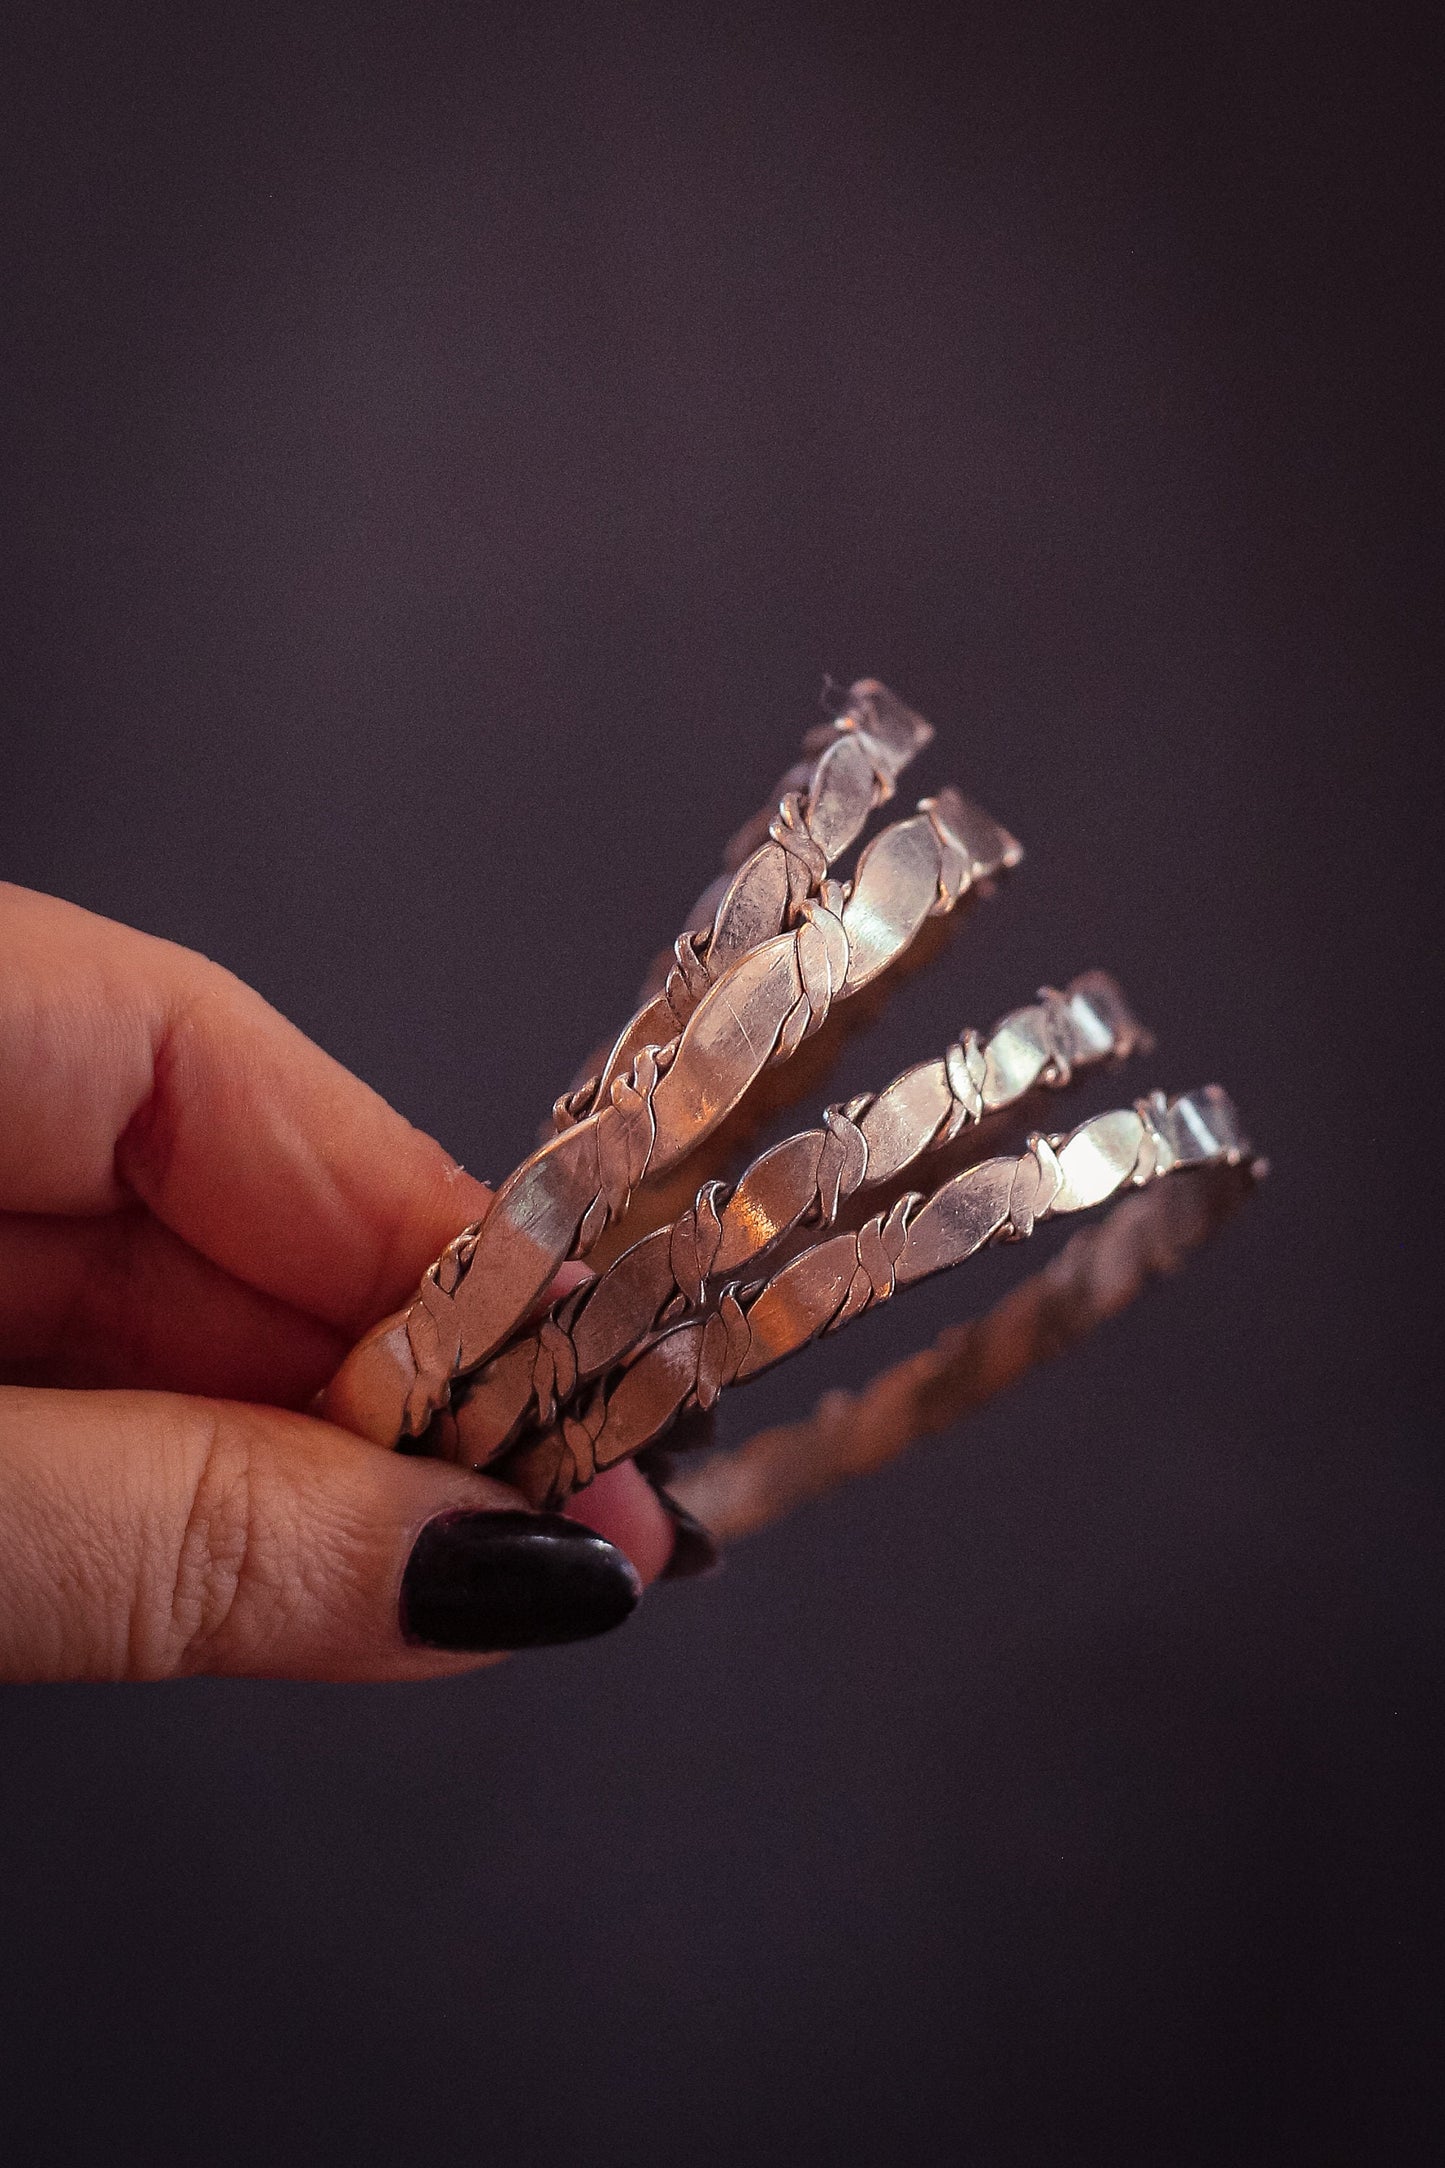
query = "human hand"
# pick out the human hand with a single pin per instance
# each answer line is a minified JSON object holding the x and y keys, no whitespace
{"x":199,"y":1213}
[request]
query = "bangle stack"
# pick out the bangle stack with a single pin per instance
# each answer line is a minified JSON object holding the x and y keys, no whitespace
{"x":820,"y":1227}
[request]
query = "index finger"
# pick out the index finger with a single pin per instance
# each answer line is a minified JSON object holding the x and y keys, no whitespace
{"x":131,"y":1068}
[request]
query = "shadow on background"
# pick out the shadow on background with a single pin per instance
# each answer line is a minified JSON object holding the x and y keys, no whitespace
{"x":445,"y":450}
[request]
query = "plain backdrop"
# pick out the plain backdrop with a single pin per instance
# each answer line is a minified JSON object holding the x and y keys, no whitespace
{"x":444,"y":451}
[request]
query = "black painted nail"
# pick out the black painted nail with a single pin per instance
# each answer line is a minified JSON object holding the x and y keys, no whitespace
{"x":694,"y":1550}
{"x":513,"y":1581}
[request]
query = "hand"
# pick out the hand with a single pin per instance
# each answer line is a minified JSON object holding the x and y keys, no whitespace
{"x":199,"y":1213}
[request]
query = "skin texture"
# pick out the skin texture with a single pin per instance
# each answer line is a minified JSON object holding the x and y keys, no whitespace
{"x":200,"y":1211}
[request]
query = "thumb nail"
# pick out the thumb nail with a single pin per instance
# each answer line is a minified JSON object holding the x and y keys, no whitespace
{"x":486,"y":1581}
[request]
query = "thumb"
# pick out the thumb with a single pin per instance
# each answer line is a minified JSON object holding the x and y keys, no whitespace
{"x":149,"y":1536}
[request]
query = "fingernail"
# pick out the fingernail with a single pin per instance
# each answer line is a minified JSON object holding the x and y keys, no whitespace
{"x":482,"y":1581}
{"x":694,"y":1551}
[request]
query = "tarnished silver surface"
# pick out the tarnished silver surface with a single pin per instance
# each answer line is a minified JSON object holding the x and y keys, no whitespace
{"x":747,"y":996}
{"x":745,"y":1330}
{"x":804,"y":1180}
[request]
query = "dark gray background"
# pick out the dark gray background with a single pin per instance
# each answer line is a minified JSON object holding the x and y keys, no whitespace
{"x":444,"y":451}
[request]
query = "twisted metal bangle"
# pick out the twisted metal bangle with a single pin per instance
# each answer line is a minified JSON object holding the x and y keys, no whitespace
{"x":1098,"y":1273}
{"x":870,"y":1141}
{"x":747,"y":1330}
{"x":759,"y":1008}
{"x":780,"y":860}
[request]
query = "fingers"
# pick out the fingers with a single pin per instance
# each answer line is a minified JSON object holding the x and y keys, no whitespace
{"x":132,"y":1069}
{"x":623,"y":1506}
{"x":148,"y":1536}
{"x":120,"y":1300}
